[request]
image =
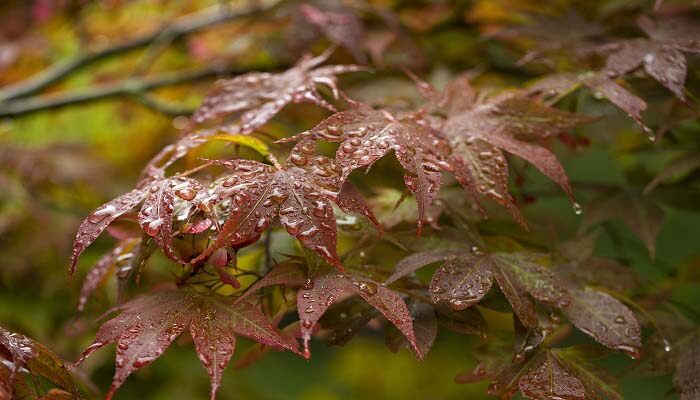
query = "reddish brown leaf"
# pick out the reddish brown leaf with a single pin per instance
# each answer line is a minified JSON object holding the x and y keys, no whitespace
{"x":257,"y":97}
{"x":601,"y":85}
{"x":547,"y":379}
{"x":156,"y":215}
{"x":418,"y":260}
{"x":25,"y":354}
{"x":606,"y":320}
{"x":350,"y":200}
{"x":313,"y":301}
{"x":537,"y":280}
{"x":508,"y":123}
{"x":640,"y":213}
{"x":98,"y":220}
{"x":147,"y":325}
{"x":462,"y":281}
{"x":300,"y":194}
{"x":523,"y":306}
{"x":287,"y":274}
{"x":339,"y":24}
{"x":99,"y":271}
{"x":469,"y":321}
{"x":367,"y":135}
{"x":425,"y":326}
{"x":661,"y":56}
{"x":467,"y":275}
{"x":599,"y":385}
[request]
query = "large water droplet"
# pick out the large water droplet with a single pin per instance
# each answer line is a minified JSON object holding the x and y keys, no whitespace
{"x":153,"y":227}
{"x":186,"y":194}
{"x":102,"y":213}
{"x":578,"y":210}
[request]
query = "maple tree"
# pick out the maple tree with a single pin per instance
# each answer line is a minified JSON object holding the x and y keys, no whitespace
{"x":362,"y":257}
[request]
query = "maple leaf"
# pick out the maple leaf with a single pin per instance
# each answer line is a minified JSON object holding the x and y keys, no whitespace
{"x":158,"y":198}
{"x":98,"y":273}
{"x":681,"y":166}
{"x":605,"y":319}
{"x":338,"y":23}
{"x":300,"y":194}
{"x":599,"y":385}
{"x":257,"y":97}
{"x":366,"y":135}
{"x":24,"y":354}
{"x":551,"y":33}
{"x":549,"y":374}
{"x":640,"y":213}
{"x":467,"y":275}
{"x":661,"y":56}
{"x":601,"y":272}
{"x":478,"y":135}
{"x":601,"y":85}
{"x":547,"y":378}
{"x":326,"y":287}
{"x":468,"y":321}
{"x":467,"y":143}
{"x":425,"y":325}
{"x":147,"y":325}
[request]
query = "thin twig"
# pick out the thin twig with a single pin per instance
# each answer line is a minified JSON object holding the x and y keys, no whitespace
{"x":182,"y":26}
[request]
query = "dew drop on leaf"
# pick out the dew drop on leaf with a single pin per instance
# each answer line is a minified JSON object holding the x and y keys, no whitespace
{"x":578,"y":210}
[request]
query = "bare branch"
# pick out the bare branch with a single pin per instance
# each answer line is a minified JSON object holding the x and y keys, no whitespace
{"x":180,"y":27}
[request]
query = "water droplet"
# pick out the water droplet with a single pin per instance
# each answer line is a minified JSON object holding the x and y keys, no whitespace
{"x":578,"y":210}
{"x":368,"y":288}
{"x":458,"y":304}
{"x":186,"y":194}
{"x":667,"y":344}
{"x":153,"y":227}
{"x":102,"y":213}
{"x":309,"y":284}
{"x":620,"y":319}
{"x":298,"y":160}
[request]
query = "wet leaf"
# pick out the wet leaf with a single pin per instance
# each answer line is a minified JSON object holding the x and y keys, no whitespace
{"x":640,"y":213}
{"x":467,"y":275}
{"x":147,"y":326}
{"x":156,"y":214}
{"x":99,"y":219}
{"x":366,"y":135}
{"x":601,"y":85}
{"x":25,"y":353}
{"x":324,"y":290}
{"x":425,"y":324}
{"x":468,"y":321}
{"x":337,"y":23}
{"x":599,"y":385}
{"x":661,"y":56}
{"x":461,"y":282}
{"x":300,"y":194}
{"x":606,"y":320}
{"x":547,"y":378}
{"x":257,"y":97}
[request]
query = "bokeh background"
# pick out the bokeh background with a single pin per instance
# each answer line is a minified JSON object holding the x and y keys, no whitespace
{"x":56,"y":165}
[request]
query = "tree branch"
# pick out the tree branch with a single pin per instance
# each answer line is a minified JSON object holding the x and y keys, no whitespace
{"x":135,"y":87}
{"x":181,"y":27}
